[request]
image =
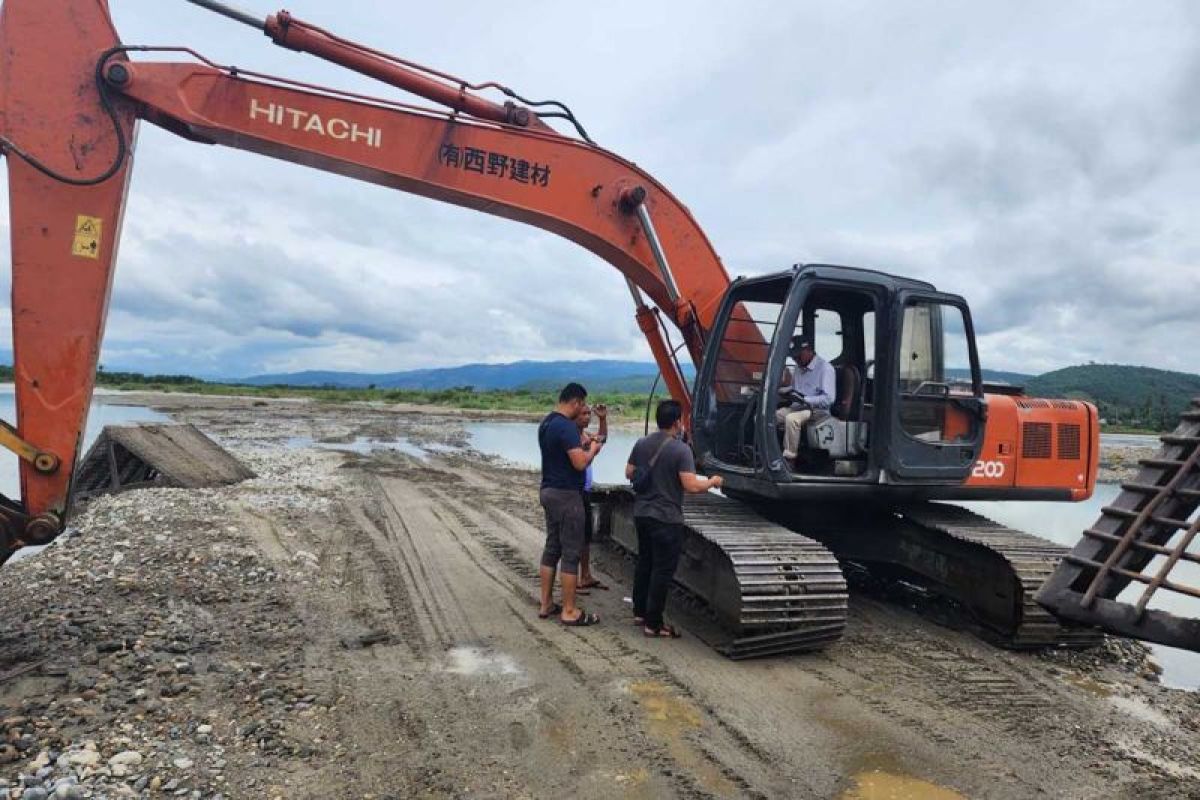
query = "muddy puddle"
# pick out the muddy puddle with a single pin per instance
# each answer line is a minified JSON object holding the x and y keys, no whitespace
{"x":881,"y":785}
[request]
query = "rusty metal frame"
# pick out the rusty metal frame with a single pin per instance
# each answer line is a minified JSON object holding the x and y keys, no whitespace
{"x":1150,"y":518}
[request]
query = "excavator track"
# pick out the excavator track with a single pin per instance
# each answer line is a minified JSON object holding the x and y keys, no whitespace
{"x":1031,"y":561}
{"x":991,"y":571}
{"x":769,"y":591}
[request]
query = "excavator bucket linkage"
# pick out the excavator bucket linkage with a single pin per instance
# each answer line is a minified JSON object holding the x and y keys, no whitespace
{"x":1148,"y":537}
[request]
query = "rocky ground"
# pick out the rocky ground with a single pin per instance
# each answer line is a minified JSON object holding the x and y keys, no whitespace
{"x":1120,"y":463}
{"x":361,"y":624}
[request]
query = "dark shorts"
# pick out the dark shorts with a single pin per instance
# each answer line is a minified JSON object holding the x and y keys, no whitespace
{"x":564,"y":529}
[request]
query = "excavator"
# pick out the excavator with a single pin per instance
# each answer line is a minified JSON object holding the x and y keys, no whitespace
{"x":913,"y":424}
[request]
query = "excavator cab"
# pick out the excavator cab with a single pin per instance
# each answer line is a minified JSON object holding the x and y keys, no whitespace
{"x":909,"y":408}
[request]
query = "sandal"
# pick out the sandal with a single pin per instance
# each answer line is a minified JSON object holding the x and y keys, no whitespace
{"x":554,"y":609}
{"x":663,"y":632}
{"x":582,"y":621}
{"x":594,"y":584}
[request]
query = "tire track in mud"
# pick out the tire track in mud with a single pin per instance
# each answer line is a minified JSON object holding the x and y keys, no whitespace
{"x":690,"y":764}
{"x":409,"y":701}
{"x":956,"y":680}
{"x":508,"y":556}
{"x":418,"y":557}
{"x":612,"y":649}
{"x":507,"y":560}
{"x":929,"y":685}
{"x":369,"y":556}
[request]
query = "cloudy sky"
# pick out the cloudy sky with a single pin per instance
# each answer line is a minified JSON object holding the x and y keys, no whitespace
{"x":1042,"y":159}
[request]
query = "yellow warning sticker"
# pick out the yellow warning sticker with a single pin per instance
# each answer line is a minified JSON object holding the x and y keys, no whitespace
{"x":87,"y":237}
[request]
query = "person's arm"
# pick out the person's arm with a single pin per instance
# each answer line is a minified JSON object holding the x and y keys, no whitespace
{"x":569,"y":438}
{"x":827,"y":388}
{"x":694,"y":484}
{"x":691,"y":482}
{"x":582,"y":456}
{"x":787,"y":382}
{"x":602,"y":430}
{"x":629,"y":469}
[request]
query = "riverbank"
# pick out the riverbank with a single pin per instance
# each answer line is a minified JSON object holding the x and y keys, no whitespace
{"x":1119,"y":454}
{"x":361,"y":624}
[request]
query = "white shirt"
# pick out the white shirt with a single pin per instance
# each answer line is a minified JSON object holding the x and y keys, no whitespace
{"x":816,"y":382}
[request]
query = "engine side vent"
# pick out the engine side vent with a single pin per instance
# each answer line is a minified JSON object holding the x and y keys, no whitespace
{"x":1068,"y":441}
{"x":1033,"y":402}
{"x":1067,"y":404}
{"x":1035,"y":440}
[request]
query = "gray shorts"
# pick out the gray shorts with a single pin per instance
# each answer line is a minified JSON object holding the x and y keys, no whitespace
{"x":564,"y":529}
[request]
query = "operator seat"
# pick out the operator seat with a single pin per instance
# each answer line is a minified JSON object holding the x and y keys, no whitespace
{"x":848,"y":406}
{"x":842,"y":434}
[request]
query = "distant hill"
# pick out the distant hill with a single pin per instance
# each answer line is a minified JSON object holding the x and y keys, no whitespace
{"x":1126,"y":395}
{"x":597,"y":375}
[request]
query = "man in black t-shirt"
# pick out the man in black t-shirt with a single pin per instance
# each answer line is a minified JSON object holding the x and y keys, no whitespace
{"x":658,"y":514}
{"x":564,"y":461}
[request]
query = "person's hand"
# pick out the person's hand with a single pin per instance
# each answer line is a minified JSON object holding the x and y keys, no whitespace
{"x":717,"y":481}
{"x":601,"y":410}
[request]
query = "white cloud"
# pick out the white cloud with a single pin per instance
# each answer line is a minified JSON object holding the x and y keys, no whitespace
{"x":1039,"y":159}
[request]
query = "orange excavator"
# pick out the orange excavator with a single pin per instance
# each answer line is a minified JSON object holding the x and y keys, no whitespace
{"x":912,"y":423}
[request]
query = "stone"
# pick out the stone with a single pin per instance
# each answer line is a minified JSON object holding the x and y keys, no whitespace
{"x":129,"y":758}
{"x":35,"y":793}
{"x":67,"y":789}
{"x":183,"y":763}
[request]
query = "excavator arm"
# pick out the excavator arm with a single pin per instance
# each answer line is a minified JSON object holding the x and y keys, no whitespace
{"x":70,"y":98}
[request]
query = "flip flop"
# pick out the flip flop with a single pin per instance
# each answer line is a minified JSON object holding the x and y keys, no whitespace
{"x":583,"y":620}
{"x":554,"y":609}
{"x":594,"y":584}
{"x":664,"y":632}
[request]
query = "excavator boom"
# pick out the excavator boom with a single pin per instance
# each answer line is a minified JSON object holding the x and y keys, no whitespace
{"x":70,"y":100}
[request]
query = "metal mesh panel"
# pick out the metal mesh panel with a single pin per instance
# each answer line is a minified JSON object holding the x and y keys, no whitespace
{"x":1068,"y":441}
{"x":1035,"y":440}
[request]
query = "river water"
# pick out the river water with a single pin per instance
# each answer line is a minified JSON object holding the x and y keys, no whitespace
{"x":1060,"y":522}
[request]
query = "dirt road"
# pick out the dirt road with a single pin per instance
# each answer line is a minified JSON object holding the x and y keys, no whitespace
{"x":398,"y":634}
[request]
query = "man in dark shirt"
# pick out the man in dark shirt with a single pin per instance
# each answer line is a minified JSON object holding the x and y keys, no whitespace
{"x":564,"y":461}
{"x":658,"y":514}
